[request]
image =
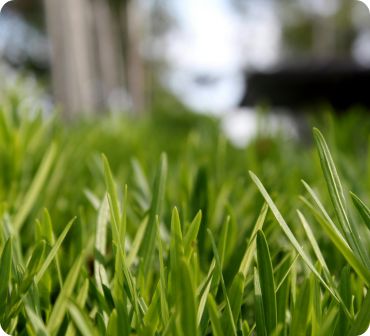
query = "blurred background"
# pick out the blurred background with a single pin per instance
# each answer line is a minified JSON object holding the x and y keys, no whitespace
{"x":220,"y":57}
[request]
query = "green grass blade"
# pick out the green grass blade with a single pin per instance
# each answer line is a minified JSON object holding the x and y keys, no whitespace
{"x":112,"y":192}
{"x":289,"y":233}
{"x":362,"y":321}
{"x":133,"y":253}
{"x":236,"y":299}
{"x":192,"y":233}
{"x":80,"y":301}
{"x":337,"y":197}
{"x":314,"y":244}
{"x":36,"y":322}
{"x":100,"y":273}
{"x":148,"y":246}
{"x":223,"y":286}
{"x":214,"y":316}
{"x":267,"y":283}
{"x":81,"y":320}
{"x":259,"y":308}
{"x":187,"y":300}
{"x":53,"y":252}
{"x":162,"y":278}
{"x":6,"y":269}
{"x":60,"y":306}
{"x":35,"y":188}
{"x":249,"y":253}
{"x":335,"y":236}
{"x":363,"y":210}
{"x":301,"y":315}
{"x":203,"y":301}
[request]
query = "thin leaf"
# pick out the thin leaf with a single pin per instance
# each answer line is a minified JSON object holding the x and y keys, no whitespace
{"x":148,"y":246}
{"x":35,"y":188}
{"x":267,"y":283}
{"x":363,"y":210}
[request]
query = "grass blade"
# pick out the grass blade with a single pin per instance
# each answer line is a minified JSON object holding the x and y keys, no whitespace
{"x":289,"y":233}
{"x":363,"y":210}
{"x":337,"y":197}
{"x":60,"y":306}
{"x":35,"y":188}
{"x":6,"y":269}
{"x":258,"y":304}
{"x":214,"y":316}
{"x":267,"y":283}
{"x":53,"y":252}
{"x":148,"y":246}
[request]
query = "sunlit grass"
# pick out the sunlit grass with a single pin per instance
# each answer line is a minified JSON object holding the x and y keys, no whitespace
{"x":185,"y":242}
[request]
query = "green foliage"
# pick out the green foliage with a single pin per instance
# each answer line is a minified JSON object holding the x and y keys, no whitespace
{"x":137,"y":242}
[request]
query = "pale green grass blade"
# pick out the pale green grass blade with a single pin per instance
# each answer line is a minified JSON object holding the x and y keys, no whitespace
{"x":329,"y":322}
{"x":337,"y":197}
{"x":362,"y":321}
{"x":251,"y":248}
{"x":203,"y":301}
{"x":100,"y":273}
{"x":267,"y":283}
{"x":113,"y":195}
{"x":80,"y":301}
{"x":81,"y":320}
{"x":286,"y":274}
{"x":135,"y":246}
{"x":140,"y":178}
{"x":148,"y":246}
{"x":301,"y":316}
{"x":187,"y":300}
{"x":289,"y":233}
{"x":223,"y":286}
{"x":60,"y":306}
{"x":335,"y":236}
{"x":6,"y":271}
{"x":363,"y":210}
{"x":35,"y":188}
{"x":162,"y":278}
{"x":36,"y":322}
{"x":176,"y":251}
{"x":236,"y":299}
{"x":259,"y":308}
{"x":191,"y":234}
{"x":53,"y":252}
{"x":214,"y":316}
{"x":315,"y":245}
{"x":316,"y":306}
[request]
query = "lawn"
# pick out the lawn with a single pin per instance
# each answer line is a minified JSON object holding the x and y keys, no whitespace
{"x":159,"y":226}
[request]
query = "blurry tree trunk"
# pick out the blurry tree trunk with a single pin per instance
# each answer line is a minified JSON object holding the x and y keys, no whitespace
{"x":95,"y":53}
{"x":136,"y":74}
{"x":72,"y":66}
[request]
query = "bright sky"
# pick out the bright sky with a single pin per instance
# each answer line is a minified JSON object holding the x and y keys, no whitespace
{"x":212,"y":40}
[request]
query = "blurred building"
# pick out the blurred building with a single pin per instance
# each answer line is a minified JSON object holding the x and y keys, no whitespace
{"x":102,"y":54}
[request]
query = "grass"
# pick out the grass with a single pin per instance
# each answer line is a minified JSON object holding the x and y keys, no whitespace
{"x":166,"y":233}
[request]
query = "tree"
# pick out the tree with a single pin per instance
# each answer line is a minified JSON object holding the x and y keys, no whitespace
{"x":95,"y":52}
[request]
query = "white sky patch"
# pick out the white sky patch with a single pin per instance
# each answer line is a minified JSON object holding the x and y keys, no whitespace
{"x":215,"y":42}
{"x":3,"y":3}
{"x":366,"y":3}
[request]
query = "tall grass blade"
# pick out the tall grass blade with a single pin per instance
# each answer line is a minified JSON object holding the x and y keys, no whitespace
{"x":337,"y":197}
{"x":148,"y":246}
{"x":60,"y":306}
{"x":363,"y":210}
{"x":215,"y":316}
{"x":267,"y":283}
{"x":35,"y":188}
{"x":289,"y":233}
{"x":53,"y":252}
